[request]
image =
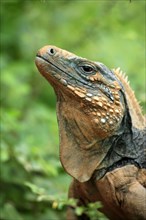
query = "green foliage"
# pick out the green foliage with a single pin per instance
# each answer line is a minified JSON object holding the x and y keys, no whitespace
{"x":33,"y":182}
{"x":91,"y":211}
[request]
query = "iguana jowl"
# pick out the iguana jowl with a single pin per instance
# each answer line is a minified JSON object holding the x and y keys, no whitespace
{"x":102,"y":133}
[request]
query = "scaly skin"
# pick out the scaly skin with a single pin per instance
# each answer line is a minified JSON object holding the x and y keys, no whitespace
{"x":101,"y":133}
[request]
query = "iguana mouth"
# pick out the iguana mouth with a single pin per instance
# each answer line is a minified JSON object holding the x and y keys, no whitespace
{"x":101,"y":86}
{"x":52,"y":64}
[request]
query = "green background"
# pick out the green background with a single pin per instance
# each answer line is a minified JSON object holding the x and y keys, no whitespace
{"x":33,"y":183}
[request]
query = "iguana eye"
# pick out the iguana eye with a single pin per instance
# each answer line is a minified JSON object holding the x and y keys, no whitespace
{"x":87,"y":69}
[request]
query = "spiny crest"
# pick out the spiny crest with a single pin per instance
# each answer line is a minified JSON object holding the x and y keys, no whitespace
{"x":133,"y":105}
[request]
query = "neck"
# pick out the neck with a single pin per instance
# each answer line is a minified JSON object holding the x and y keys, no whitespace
{"x":126,"y":148}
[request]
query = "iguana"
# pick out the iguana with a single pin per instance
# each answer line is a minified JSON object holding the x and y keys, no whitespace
{"x":102,"y":133}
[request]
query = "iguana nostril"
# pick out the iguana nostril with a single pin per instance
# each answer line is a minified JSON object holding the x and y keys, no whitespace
{"x":51,"y":51}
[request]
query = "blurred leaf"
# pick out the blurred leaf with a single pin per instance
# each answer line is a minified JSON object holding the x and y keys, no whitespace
{"x":11,"y":173}
{"x":35,"y":189}
{"x":8,"y":212}
{"x":79,"y":211}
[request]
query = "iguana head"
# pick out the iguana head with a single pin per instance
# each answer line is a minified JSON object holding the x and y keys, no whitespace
{"x":91,"y":84}
{"x":91,"y":107}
